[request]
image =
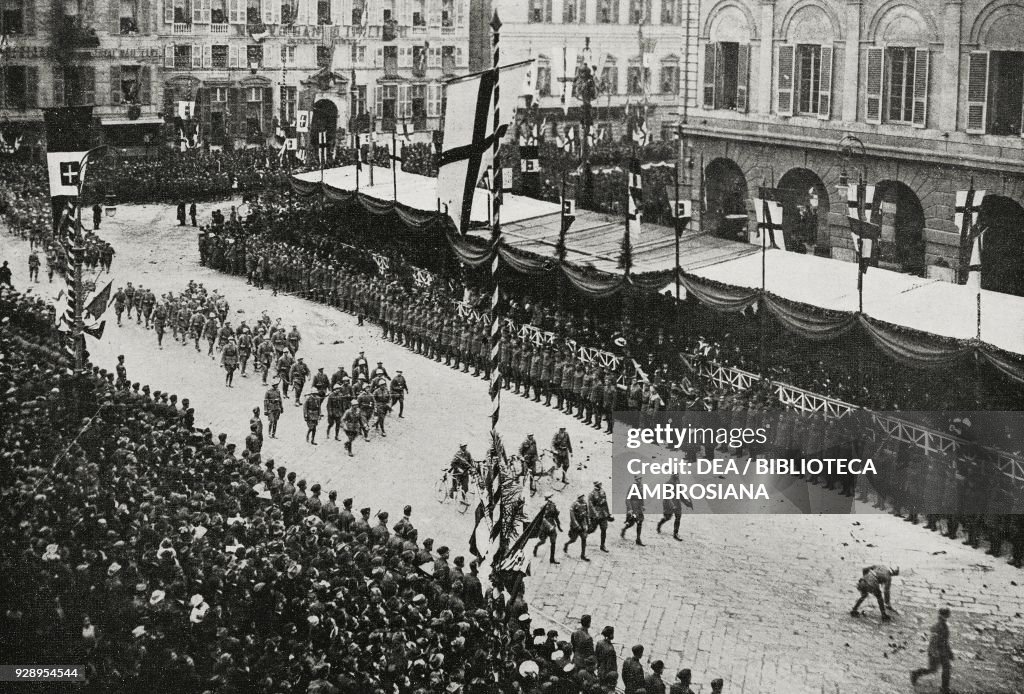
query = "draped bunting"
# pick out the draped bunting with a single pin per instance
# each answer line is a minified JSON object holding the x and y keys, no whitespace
{"x":809,"y":322}
{"x":904,"y":345}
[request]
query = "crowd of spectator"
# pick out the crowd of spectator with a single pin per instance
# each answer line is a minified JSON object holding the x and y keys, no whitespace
{"x":156,"y":556}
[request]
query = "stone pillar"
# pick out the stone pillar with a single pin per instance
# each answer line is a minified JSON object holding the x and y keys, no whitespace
{"x":851,"y":62}
{"x":766,"y":59}
{"x":948,"y":92}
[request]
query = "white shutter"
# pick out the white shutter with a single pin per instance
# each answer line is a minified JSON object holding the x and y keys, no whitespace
{"x":977,"y":92}
{"x":197,"y":57}
{"x":460,"y":58}
{"x":784,"y":87}
{"x":403,"y":101}
{"x":378,"y":102}
{"x":404,"y":59}
{"x":169,"y":56}
{"x":825,"y":84}
{"x":272,"y":55}
{"x":233,"y":56}
{"x":197,"y":11}
{"x":378,"y":14}
{"x":460,"y":13}
{"x":742,"y":78}
{"x":433,"y":101}
{"x":207,"y":56}
{"x":169,"y":11}
{"x":920,"y":113}
{"x":405,"y":13}
{"x":236,"y":12}
{"x":434,"y":57}
{"x":268,"y":11}
{"x":207,"y":11}
{"x":873,"y":85}
{"x":711,"y":51}
{"x":378,"y":57}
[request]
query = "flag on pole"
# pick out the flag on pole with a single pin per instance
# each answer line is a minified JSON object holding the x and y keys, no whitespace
{"x":968,"y":205}
{"x":98,"y":304}
{"x":67,"y":141}
{"x":635,"y":195}
{"x":681,"y":209}
{"x":639,"y":131}
{"x":567,"y":142}
{"x":322,"y":147}
{"x":865,"y":238}
{"x":860,"y":201}
{"x":302,"y":122}
{"x":974,"y":265}
{"x":470,"y":133}
{"x":516,"y":558}
{"x":768,"y":214}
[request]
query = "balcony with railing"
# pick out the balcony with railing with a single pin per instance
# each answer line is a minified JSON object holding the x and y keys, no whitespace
{"x":181,"y":28}
{"x":219,"y":28}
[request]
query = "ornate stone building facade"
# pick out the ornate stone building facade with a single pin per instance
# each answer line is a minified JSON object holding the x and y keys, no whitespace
{"x":247,"y":64}
{"x":920,"y":97}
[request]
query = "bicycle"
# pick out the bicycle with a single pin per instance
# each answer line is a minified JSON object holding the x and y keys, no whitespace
{"x":547,"y":476}
{"x":444,"y":493}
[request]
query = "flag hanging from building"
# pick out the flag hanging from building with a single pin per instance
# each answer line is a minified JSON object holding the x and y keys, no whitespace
{"x":639,"y":130}
{"x":302,"y":122}
{"x":568,"y":213}
{"x":635,"y":195}
{"x":529,"y":154}
{"x":322,"y":148}
{"x":968,"y":205}
{"x":470,"y":131}
{"x":567,"y":142}
{"x":67,"y":142}
{"x":768,"y":214}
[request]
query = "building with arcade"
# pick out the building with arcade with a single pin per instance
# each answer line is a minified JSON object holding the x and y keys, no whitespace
{"x":918,"y":97}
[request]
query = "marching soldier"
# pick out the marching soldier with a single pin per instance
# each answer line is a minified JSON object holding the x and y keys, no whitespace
{"x":399,"y":388}
{"x":549,"y":528}
{"x":672,"y":509}
{"x":229,"y":360}
{"x":528,"y":454}
{"x":119,"y":301}
{"x":352,"y":423}
{"x":367,"y":404}
{"x":381,"y":406}
{"x":579,"y":526}
{"x":273,"y":406}
{"x":360,"y":366}
{"x":264,"y":358}
{"x":634,"y":514}
{"x":335,"y":411}
{"x":561,"y":446}
{"x":299,"y":374}
{"x":284,"y":370}
{"x":311,"y":412}
{"x":160,"y":323}
{"x":338,"y":376}
{"x":597,"y":504}
{"x":321,"y":384}
{"x":940,"y":655}
{"x":210,"y":330}
{"x":244,"y":348}
{"x":293,"y":339}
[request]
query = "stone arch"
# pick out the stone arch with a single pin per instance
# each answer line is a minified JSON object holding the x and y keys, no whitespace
{"x":804,"y":11}
{"x":999,"y":25}
{"x":899,"y":16}
{"x":725,"y":188}
{"x":324,"y":119}
{"x":1002,"y":249}
{"x":805,"y":224}
{"x":901,"y":216}
{"x":724,"y":10}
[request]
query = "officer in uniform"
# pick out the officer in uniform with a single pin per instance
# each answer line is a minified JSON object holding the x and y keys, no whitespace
{"x":561,"y":445}
{"x":244,"y":348}
{"x":299,"y":374}
{"x":672,"y":509}
{"x":597,"y":504}
{"x":555,"y":383}
{"x":399,"y":388}
{"x":549,"y":528}
{"x":284,"y":370}
{"x":579,"y":526}
{"x":634,"y":514}
{"x":528,"y":454}
{"x":352,"y":422}
{"x":597,"y":399}
{"x":611,"y":393}
{"x":335,"y":411}
{"x":264,"y":358}
{"x":381,"y":406}
{"x":460,"y":465}
{"x":273,"y":406}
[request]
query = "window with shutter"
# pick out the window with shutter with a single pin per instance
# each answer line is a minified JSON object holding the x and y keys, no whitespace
{"x":168,"y":11}
{"x":460,"y":13}
{"x":114,"y":17}
{"x":233,"y":56}
{"x":197,"y":11}
{"x":207,"y":56}
{"x":169,"y":56}
{"x":145,"y":86}
{"x":433,"y":101}
{"x":710,"y":71}
{"x":825,"y":84}
{"x":977,"y":92}
{"x":403,"y":101}
{"x":115,"y":84}
{"x":742,"y":77}
{"x":236,"y":12}
{"x":378,"y":101}
{"x":920,"y":115}
{"x":197,"y":57}
{"x":784,"y":87}
{"x":87,"y":77}
{"x":873,"y":85}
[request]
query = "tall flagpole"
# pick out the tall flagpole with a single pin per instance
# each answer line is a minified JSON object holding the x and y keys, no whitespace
{"x":496,"y":376}
{"x":394,"y":162}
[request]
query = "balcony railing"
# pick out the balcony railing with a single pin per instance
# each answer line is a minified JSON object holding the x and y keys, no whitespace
{"x":447,"y":30}
{"x":219,"y":28}
{"x":181,"y":28}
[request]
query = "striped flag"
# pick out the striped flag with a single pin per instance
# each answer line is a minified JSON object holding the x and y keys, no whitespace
{"x":974,"y":265}
{"x":635,"y":198}
{"x":968,"y":207}
{"x":865,"y":238}
{"x":768,"y":214}
{"x":860,"y":201}
{"x":321,"y":147}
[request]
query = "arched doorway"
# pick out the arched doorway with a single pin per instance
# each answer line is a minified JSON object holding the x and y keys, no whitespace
{"x":325,"y":118}
{"x":805,"y":208}
{"x":1002,"y":248}
{"x":725,"y":189}
{"x":899,"y":213}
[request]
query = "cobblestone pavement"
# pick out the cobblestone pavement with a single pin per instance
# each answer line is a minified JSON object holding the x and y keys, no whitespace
{"x":761,"y":601}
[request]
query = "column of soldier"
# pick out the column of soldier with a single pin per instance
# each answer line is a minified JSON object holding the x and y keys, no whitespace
{"x":426,"y":321}
{"x":354,"y":404}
